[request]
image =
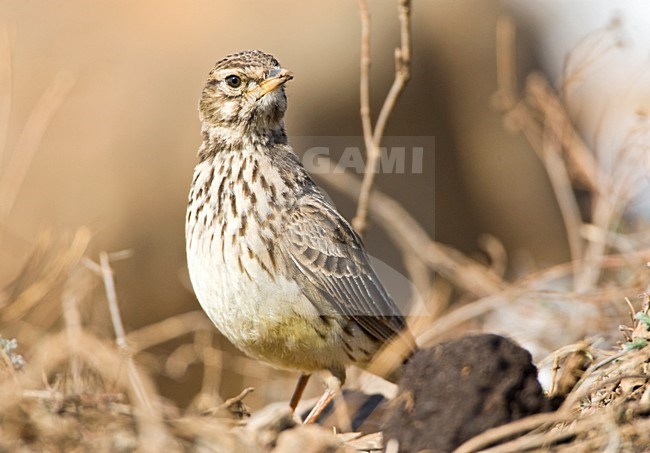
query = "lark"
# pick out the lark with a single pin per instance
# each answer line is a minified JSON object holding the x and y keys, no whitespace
{"x":275,"y":266}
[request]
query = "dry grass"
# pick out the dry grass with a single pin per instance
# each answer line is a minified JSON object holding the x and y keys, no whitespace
{"x":77,"y":386}
{"x":605,"y":407}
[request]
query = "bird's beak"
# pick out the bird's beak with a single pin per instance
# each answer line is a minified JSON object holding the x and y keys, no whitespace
{"x":277,"y":78}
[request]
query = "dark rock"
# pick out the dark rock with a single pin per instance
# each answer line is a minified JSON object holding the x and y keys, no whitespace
{"x":456,"y":390}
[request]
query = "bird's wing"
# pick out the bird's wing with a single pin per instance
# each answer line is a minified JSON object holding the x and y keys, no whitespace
{"x":329,"y":253}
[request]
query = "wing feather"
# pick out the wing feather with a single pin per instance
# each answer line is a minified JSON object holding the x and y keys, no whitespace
{"x":329,"y":254}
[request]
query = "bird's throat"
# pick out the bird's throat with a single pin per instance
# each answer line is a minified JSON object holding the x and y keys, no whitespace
{"x":238,"y":137}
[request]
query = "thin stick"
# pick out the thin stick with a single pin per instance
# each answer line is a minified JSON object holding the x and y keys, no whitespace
{"x":547,"y":140}
{"x":372,"y":139}
{"x":364,"y":88}
{"x":237,"y":399}
{"x":561,"y":183}
{"x":153,"y":431}
{"x":523,"y":425}
{"x":402,"y":70}
{"x":118,"y":327}
{"x":167,"y":329}
{"x":111,"y":295}
{"x":545,"y":440}
{"x":411,"y":238}
{"x":581,"y":159}
{"x":603,"y":214}
{"x":372,"y":151}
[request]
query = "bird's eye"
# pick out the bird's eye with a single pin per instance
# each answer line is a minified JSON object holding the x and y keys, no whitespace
{"x":233,"y":81}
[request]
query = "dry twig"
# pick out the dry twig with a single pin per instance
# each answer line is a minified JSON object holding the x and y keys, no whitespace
{"x":412,"y":239}
{"x":167,"y":329}
{"x":153,"y":431}
{"x":546,"y":124}
{"x":372,"y":138}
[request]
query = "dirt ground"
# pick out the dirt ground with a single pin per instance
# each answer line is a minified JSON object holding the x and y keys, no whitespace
{"x":77,"y":390}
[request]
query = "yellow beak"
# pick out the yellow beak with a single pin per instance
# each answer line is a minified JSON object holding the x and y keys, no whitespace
{"x":277,"y":80}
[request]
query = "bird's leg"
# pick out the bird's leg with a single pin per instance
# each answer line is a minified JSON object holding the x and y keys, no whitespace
{"x":320,"y":406}
{"x":297,"y":393}
{"x":333,"y":385}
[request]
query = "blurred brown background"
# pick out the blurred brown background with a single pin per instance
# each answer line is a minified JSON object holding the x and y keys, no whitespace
{"x":119,"y":153}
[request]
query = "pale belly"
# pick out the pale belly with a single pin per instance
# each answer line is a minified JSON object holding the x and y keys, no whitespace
{"x":267,"y":318}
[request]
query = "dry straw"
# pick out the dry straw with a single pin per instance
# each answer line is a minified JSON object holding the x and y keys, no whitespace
{"x":84,"y":386}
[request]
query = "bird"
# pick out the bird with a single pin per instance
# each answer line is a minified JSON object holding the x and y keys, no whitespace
{"x":274,"y":265}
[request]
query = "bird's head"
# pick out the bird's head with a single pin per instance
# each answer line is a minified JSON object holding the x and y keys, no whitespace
{"x":245,"y":94}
